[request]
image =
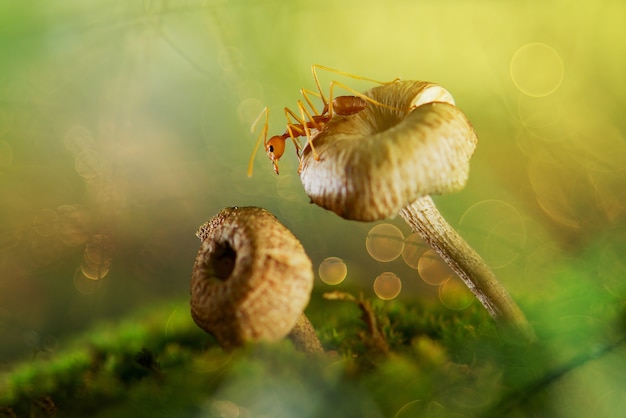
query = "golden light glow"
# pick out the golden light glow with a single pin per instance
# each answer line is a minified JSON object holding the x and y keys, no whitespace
{"x":414,"y":248}
{"x":537,"y":69}
{"x":73,"y":225}
{"x":333,"y":270}
{"x":88,"y":164}
{"x":387,"y":286}
{"x":384,"y":242}
{"x":98,"y":257}
{"x":432,"y":269}
{"x":454,"y":294}
{"x":224,"y":408}
{"x":497,"y":229}
{"x":85,"y":285}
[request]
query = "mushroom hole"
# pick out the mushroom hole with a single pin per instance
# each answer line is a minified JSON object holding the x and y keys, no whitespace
{"x":222,"y":260}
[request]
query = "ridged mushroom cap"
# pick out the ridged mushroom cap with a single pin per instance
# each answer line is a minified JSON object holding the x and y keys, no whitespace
{"x":251,"y":279}
{"x":374,"y":163}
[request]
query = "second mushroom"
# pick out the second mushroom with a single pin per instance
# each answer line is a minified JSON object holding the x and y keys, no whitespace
{"x":251,"y":281}
{"x":389,"y":159}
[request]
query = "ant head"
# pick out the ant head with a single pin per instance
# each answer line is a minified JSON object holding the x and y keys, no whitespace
{"x":275,"y":148}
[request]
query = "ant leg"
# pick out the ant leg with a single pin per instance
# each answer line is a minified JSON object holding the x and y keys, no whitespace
{"x":317,"y":84}
{"x":314,"y":67}
{"x":305,"y":93}
{"x":356,"y":77}
{"x":262,"y":135}
{"x":328,"y":104}
{"x":297,"y":127}
{"x":307,"y":130}
{"x":265,"y":111}
{"x":356,"y":93}
{"x":301,"y":128}
{"x":301,"y":120}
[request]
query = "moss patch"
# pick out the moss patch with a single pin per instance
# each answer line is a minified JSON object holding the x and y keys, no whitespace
{"x":384,"y":359}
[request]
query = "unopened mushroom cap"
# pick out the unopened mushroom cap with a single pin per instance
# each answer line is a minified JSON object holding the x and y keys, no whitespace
{"x":374,"y":163}
{"x":251,"y":280}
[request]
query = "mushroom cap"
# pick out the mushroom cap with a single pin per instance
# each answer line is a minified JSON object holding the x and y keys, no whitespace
{"x":251,"y":279}
{"x":374,"y":163}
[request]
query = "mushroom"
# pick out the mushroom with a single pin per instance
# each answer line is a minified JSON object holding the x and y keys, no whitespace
{"x":251,"y":281}
{"x":389,"y":159}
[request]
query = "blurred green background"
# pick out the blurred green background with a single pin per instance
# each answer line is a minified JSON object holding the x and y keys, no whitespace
{"x":125,"y":125}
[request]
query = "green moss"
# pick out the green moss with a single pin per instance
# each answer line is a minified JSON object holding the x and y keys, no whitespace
{"x":407,"y":359}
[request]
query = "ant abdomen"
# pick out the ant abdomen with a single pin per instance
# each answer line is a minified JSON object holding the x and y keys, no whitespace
{"x":348,"y":105}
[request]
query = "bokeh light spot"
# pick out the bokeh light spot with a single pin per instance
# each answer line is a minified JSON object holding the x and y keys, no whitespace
{"x":176,"y":321}
{"x":100,"y":249}
{"x":11,"y":237}
{"x":414,"y":248}
{"x":45,"y":250}
{"x":78,"y":139}
{"x":387,"y":286}
{"x":384,"y":242}
{"x":85,"y":285}
{"x":557,"y":191}
{"x":536,"y":69}
{"x":599,"y":145}
{"x":454,"y":294}
{"x":432,"y":269}
{"x":97,"y":257}
{"x":249,"y":110}
{"x":45,"y":222}
{"x":212,"y":362}
{"x":73,"y":225}
{"x":88,"y":164}
{"x":223,"y":408}
{"x":497,"y":229}
{"x":410,"y":409}
{"x":544,"y":118}
{"x":333,"y":270}
{"x":94,"y":271}
{"x":250,"y":89}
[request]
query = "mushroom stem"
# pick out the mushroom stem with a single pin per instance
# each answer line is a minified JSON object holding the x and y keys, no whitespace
{"x":423,"y":216}
{"x":303,"y":336}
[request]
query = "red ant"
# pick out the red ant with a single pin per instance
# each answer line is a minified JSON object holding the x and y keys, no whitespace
{"x":341,"y":105}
